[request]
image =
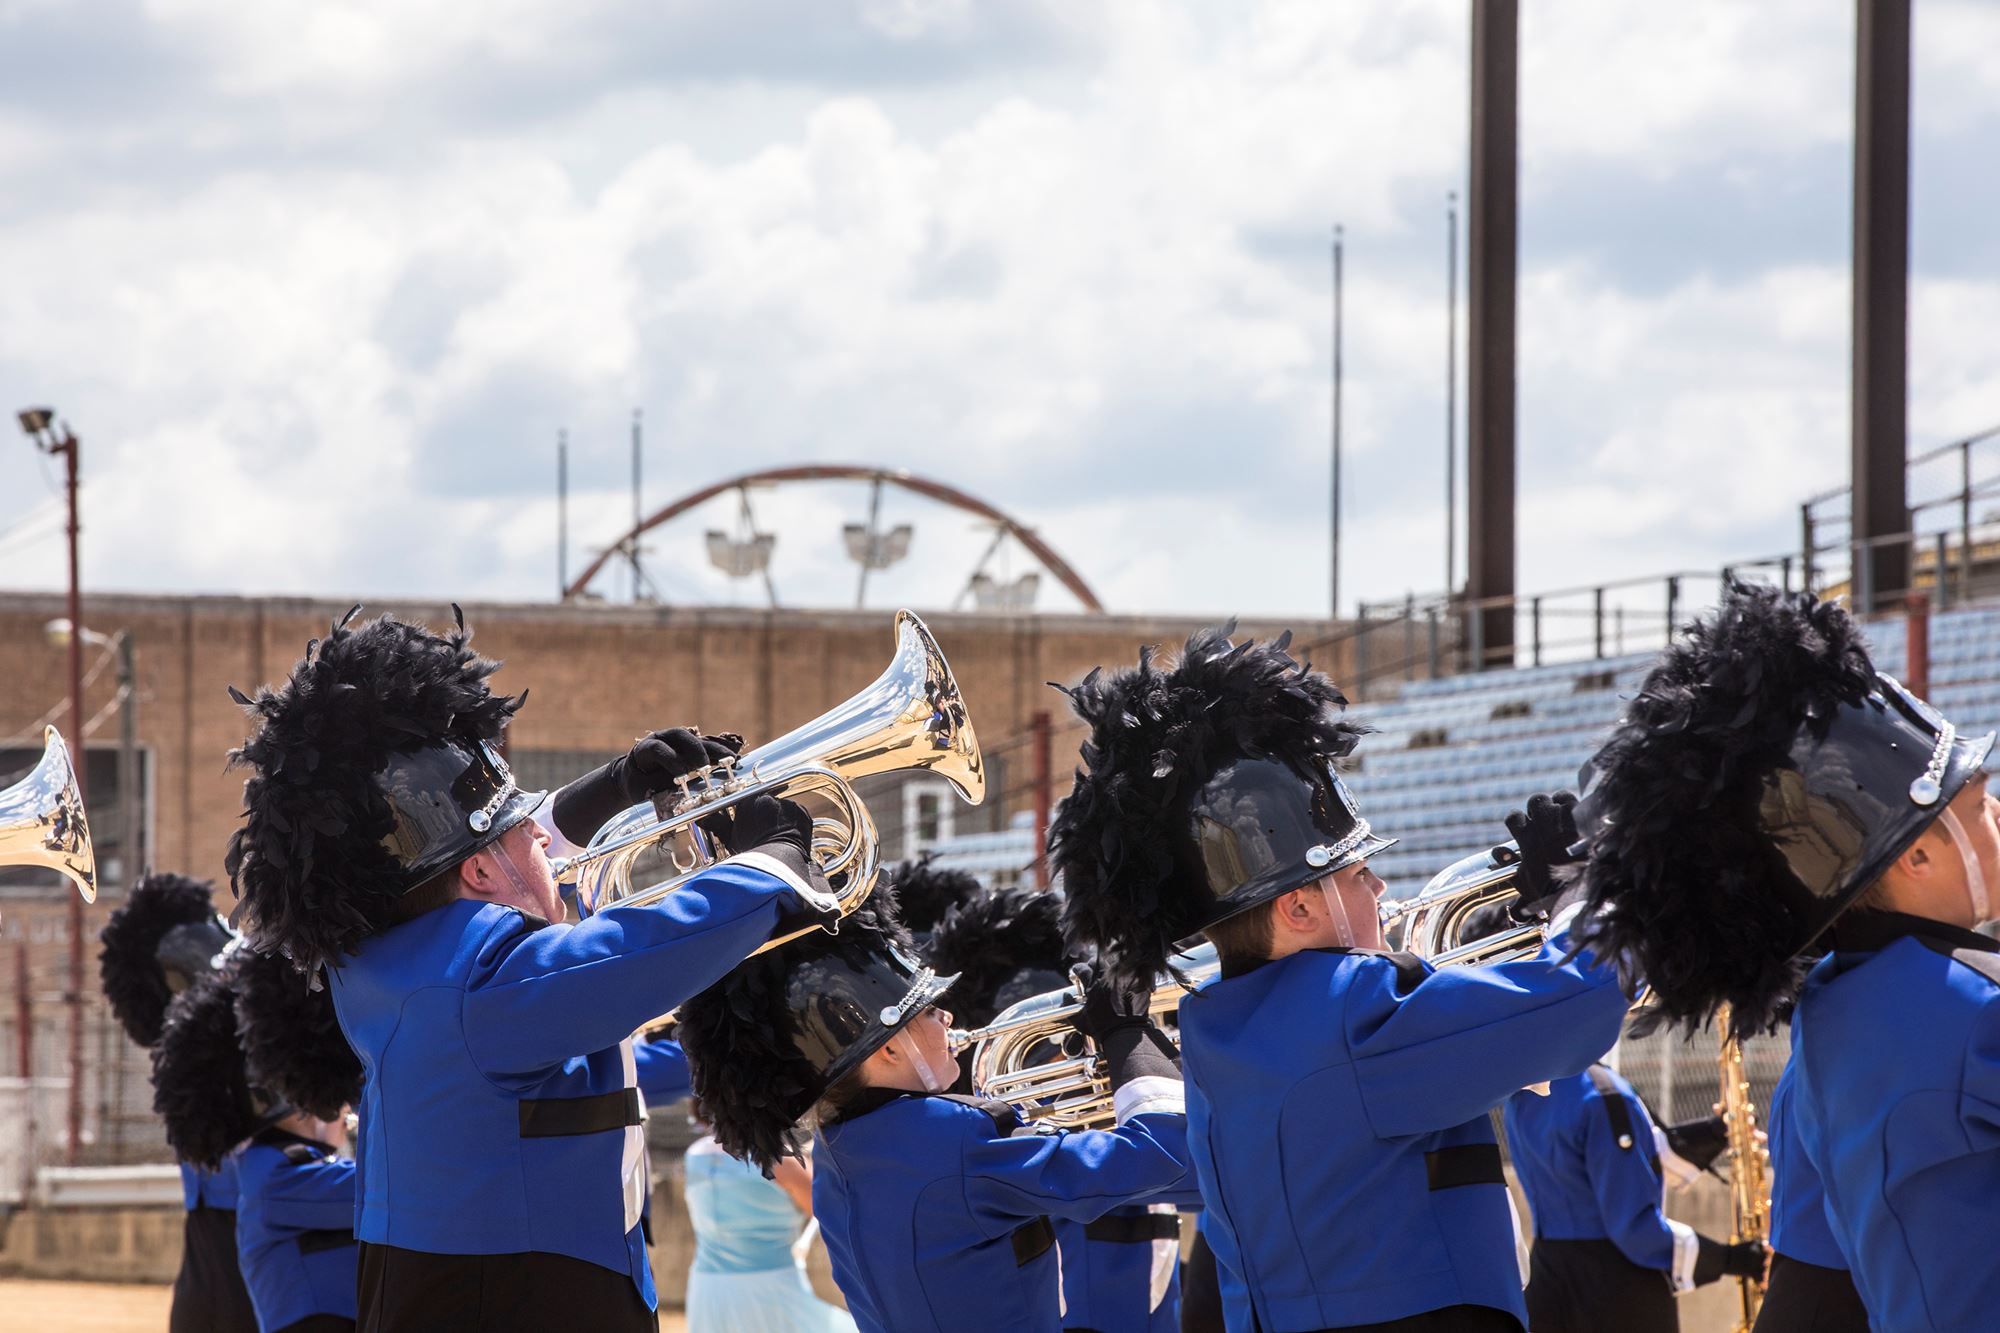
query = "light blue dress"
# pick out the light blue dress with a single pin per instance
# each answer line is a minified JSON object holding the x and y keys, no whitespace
{"x":744,"y":1278}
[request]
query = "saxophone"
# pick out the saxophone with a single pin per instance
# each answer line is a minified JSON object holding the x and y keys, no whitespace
{"x":1750,"y":1169}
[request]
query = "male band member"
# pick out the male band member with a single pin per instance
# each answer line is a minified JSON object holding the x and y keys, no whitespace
{"x":935,"y":1210}
{"x":1589,"y":1158}
{"x":166,"y":935}
{"x":1337,"y":1095}
{"x":1121,"y":1272}
{"x":295,"y":1210}
{"x":1768,"y":788}
{"x":1810,"y":1289}
{"x":502,"y":1158}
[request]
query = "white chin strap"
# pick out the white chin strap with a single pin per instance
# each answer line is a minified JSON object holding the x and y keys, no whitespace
{"x":933,"y":1079}
{"x":1336,"y":911}
{"x":1975,"y":878}
{"x":516,"y":877}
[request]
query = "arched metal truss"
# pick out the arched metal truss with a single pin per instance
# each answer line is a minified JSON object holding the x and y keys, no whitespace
{"x":924,"y":486}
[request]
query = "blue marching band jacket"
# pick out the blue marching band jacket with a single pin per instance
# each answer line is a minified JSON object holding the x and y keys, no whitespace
{"x":209,"y":1295}
{"x":510,"y":1038}
{"x":937,"y":1211}
{"x":1121,"y":1272}
{"x":1810,"y":1289}
{"x":1587,"y":1156}
{"x":1337,"y":1118}
{"x":295,"y":1229}
{"x":1896,"y":1094}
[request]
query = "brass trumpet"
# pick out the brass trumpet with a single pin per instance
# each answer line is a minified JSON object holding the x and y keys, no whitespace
{"x":912,"y":718}
{"x":1032,"y":1055}
{"x":1434,"y":920}
{"x":42,"y":823}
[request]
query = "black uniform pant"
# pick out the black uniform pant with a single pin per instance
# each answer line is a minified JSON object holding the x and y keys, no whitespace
{"x":1805,"y":1298}
{"x":1585,"y":1286}
{"x":320,"y":1323}
{"x":410,"y":1291}
{"x":1201,"y":1293}
{"x":209,"y":1295}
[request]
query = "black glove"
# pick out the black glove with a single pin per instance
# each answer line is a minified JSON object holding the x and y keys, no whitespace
{"x":1713,"y":1259}
{"x":1545,"y":832}
{"x":1698,"y":1142}
{"x":654,"y":764}
{"x":1115,"y":1018}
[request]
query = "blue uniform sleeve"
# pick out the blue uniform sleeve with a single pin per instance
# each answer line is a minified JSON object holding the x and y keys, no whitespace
{"x":1079,"y":1176}
{"x":537,"y":997}
{"x":312,"y":1196}
{"x":663,"y":1071}
{"x":1628,"y":1193}
{"x":1979,"y":1100}
{"x":1459,"y":1041}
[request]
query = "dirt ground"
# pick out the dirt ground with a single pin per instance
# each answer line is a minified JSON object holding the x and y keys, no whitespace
{"x":109,"y":1307}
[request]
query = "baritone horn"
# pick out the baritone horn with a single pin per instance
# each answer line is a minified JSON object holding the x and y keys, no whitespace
{"x":1032,"y":1056}
{"x":42,"y":823}
{"x":912,"y":719}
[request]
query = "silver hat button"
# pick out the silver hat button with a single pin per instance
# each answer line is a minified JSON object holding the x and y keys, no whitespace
{"x":1318,"y":856}
{"x":479,"y":820}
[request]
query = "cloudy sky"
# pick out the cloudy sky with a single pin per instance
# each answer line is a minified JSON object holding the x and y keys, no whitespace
{"x":319,"y":283}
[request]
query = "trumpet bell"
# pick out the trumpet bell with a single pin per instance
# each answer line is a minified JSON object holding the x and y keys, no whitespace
{"x":1435,"y":921}
{"x":911,"y":719}
{"x":42,"y":821}
{"x":1033,"y":1056}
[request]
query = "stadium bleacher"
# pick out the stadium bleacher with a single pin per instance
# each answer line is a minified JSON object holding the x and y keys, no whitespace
{"x":1452,"y":756}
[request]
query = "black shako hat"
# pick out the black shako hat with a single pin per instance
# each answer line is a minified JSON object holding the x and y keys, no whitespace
{"x":1762,"y":779}
{"x":1003,"y":945}
{"x":766,"y":1042}
{"x":373,"y":768}
{"x":154,"y":947}
{"x":1206,"y":789}
{"x":201,"y":1087}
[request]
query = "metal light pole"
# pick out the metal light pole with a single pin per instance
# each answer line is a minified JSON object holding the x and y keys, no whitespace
{"x":57,"y":438}
{"x":1333,"y":563}
{"x":1450,"y":392}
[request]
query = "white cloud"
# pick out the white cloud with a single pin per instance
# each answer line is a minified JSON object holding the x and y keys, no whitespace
{"x":320,"y":311}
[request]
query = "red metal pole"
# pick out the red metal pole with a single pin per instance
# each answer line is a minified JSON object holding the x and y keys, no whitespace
{"x":70,"y":449}
{"x":24,"y":1013}
{"x":24,"y":1029}
{"x":1917,"y":642}
{"x":1044,"y":781}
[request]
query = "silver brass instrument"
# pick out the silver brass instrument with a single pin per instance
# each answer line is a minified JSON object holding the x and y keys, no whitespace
{"x":1032,"y":1055}
{"x":912,"y":719}
{"x":42,"y":823}
{"x":1434,"y":921}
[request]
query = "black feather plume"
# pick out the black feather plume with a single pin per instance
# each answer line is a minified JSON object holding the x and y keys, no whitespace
{"x":1156,"y":735}
{"x":133,"y":980}
{"x":200,"y":1088}
{"x":925,"y":892}
{"x":1687,"y":880}
{"x":308,"y":860}
{"x":291,"y":1037}
{"x":990,"y":940}
{"x":750,"y":1082}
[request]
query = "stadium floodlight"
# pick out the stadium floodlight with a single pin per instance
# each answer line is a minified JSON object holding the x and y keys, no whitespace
{"x":739,"y":558}
{"x":989,"y":594}
{"x":876,"y":550}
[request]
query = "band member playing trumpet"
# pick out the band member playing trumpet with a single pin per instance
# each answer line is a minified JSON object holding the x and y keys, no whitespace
{"x":936,"y":1208}
{"x":386,"y":844}
{"x":1769,"y":789}
{"x":165,"y":937}
{"x":1606,"y":1255}
{"x":1337,"y":1095}
{"x":1121,"y":1271}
